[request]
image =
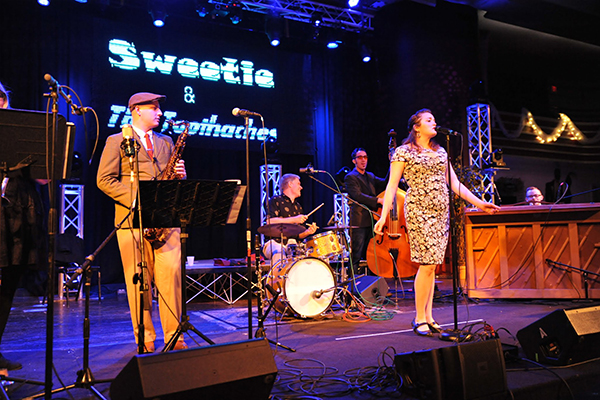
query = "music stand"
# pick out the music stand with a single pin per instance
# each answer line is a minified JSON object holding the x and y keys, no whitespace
{"x":184,"y":203}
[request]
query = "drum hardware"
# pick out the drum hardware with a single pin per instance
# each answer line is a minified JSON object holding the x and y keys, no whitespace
{"x":261,"y":331}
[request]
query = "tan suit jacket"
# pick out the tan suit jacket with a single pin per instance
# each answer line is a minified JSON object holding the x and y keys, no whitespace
{"x":114,"y":171}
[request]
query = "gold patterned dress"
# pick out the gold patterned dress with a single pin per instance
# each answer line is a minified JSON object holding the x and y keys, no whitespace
{"x":426,"y":202}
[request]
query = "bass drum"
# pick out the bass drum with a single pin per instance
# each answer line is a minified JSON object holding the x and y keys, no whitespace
{"x":299,"y":283}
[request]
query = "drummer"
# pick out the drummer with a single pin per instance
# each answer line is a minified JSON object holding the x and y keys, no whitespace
{"x":285,"y":209}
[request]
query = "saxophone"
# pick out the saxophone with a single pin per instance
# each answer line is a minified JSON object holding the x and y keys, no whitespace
{"x":158,"y":235}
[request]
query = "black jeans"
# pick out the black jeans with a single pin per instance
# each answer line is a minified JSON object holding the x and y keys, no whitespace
{"x":360,"y":241}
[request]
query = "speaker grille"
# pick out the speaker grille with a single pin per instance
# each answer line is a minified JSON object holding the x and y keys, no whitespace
{"x":585,"y":321}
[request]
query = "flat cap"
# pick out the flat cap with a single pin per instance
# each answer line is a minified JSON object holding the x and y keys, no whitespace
{"x":144,"y":98}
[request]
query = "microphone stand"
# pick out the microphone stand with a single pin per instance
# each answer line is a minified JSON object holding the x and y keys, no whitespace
{"x":140,"y":277}
{"x":584,"y":273}
{"x":455,"y":334}
{"x":52,"y":228}
{"x":248,"y":228}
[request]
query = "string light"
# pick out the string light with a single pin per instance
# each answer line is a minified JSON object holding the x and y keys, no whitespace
{"x":565,"y":125}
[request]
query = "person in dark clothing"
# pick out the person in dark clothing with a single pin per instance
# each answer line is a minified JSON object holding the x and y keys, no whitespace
{"x":22,"y":235}
{"x":362,"y":187}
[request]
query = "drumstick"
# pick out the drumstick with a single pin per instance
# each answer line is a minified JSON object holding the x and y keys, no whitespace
{"x":308,"y":215}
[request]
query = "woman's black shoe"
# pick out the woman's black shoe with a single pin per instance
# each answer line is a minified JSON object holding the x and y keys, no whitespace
{"x":434,"y":327}
{"x":9,"y":365}
{"x":416,"y":330}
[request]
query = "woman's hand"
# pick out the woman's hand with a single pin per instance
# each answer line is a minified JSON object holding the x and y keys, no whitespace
{"x":378,"y":229}
{"x":489,"y":208}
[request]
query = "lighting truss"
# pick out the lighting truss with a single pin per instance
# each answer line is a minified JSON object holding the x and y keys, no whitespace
{"x":480,"y":143}
{"x":302,"y":10}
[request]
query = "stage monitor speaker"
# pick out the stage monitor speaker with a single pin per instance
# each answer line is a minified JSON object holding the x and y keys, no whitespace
{"x":467,"y":371}
{"x":239,"y":370}
{"x":371,"y":288}
{"x":563,"y":337}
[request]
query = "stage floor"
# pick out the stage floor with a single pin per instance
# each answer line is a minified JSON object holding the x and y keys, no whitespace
{"x":337,"y":355}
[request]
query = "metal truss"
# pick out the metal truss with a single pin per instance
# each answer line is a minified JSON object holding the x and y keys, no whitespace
{"x":273,"y":176}
{"x":480,"y":145}
{"x":341,"y":209}
{"x":71,"y":210}
{"x":341,"y":216}
{"x":303,"y":10}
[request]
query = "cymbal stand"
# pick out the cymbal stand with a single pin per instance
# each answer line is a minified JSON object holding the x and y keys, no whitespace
{"x":261,"y":331}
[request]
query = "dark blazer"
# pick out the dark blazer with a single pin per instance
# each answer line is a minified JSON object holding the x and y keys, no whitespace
{"x":114,"y":171}
{"x":363,"y":189}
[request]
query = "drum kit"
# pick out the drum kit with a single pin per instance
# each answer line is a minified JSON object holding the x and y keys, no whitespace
{"x":304,"y":279}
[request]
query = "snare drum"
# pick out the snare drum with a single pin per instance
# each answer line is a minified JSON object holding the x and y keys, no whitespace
{"x":306,"y":287}
{"x":323,"y":245}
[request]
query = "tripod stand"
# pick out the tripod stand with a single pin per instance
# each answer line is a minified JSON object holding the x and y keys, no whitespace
{"x":184,"y":203}
{"x":184,"y":324}
{"x":85,"y":378}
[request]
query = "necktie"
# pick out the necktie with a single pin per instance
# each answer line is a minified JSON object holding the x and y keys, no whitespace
{"x":149,"y":146}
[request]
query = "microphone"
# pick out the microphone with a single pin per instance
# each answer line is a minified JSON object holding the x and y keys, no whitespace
{"x":308,"y":170}
{"x":317,"y":294}
{"x":237,"y":112}
{"x":51,"y":81}
{"x":58,"y":88}
{"x":128,"y":145}
{"x":446,"y":131}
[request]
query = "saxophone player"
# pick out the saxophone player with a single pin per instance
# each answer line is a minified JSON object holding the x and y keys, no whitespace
{"x":115,"y":178}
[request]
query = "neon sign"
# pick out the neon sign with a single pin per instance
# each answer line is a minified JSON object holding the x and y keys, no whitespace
{"x":208,"y":127}
{"x":230,"y":70}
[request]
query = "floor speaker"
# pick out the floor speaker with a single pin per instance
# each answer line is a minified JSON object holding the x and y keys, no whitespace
{"x":563,"y":337}
{"x":240,"y":370}
{"x":371,"y":288}
{"x":469,"y":371}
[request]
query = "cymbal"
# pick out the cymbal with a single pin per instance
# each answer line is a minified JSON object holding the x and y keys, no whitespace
{"x":287,"y":230}
{"x":340,"y":228}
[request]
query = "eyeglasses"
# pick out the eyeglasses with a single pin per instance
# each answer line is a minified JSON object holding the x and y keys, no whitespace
{"x":362,"y":157}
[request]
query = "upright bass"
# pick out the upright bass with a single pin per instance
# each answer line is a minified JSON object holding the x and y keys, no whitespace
{"x":388,"y":255}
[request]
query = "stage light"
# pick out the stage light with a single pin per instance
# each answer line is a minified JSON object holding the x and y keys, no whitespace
{"x":365,"y":53}
{"x":235,"y":13}
{"x":316,"y":19}
{"x":353,"y":3}
{"x":273,"y":29}
{"x":203,"y":8}
{"x":334,"y":44}
{"x":159,"y":15}
{"x":44,"y":3}
{"x":81,"y":1}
